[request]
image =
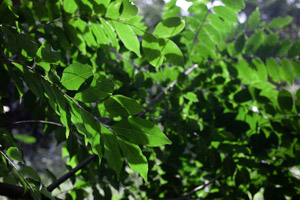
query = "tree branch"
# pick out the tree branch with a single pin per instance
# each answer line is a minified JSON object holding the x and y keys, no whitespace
{"x":66,"y":176}
{"x":36,"y":121}
{"x":14,"y":192}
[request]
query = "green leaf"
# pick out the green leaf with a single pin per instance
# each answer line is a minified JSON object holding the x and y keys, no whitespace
{"x":121,"y":105}
{"x":100,"y":88}
{"x":26,"y":170}
{"x":285,"y":100}
{"x":296,"y":68}
{"x":70,"y":6}
{"x":27,"y":139}
{"x":110,"y":34}
{"x":297,"y":101}
{"x":280,"y":22}
{"x":261,"y":69}
{"x":169,"y":27}
{"x":254,"y":42}
{"x":273,"y":69}
{"x":286,"y":70}
{"x":226,"y":13}
{"x":237,"y":5}
{"x":294,"y":50}
{"x":113,"y":10}
{"x":135,"y":158}
{"x":254,"y":19}
{"x":128,"y":11}
{"x":191,"y":96}
{"x":46,"y":54}
{"x":75,"y":74}
{"x":111,"y":150}
{"x":14,"y":153}
{"x":99,"y":34}
{"x":140,"y":131}
{"x":128,"y":37}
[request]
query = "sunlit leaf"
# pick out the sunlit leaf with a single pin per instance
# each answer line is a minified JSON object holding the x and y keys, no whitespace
{"x":14,"y":153}
{"x":27,"y":139}
{"x":75,"y":74}
{"x":140,"y":131}
{"x":254,"y":19}
{"x":169,"y":27}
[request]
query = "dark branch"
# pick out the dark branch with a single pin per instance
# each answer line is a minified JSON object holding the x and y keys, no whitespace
{"x":35,"y":121}
{"x":66,"y":176}
{"x":14,"y":192}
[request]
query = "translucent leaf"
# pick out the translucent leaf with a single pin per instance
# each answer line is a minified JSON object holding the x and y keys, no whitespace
{"x":70,"y":6}
{"x":191,"y":96}
{"x":285,"y":100}
{"x":100,"y":88}
{"x":110,"y":34}
{"x":280,"y":22}
{"x":14,"y":153}
{"x":171,"y":51}
{"x":99,"y":34}
{"x":121,"y":105}
{"x":169,"y":27}
{"x":27,"y":139}
{"x":135,"y":158}
{"x":140,"y":131}
{"x":237,"y":5}
{"x":75,"y":74}
{"x":261,"y":69}
{"x":26,"y":170}
{"x":173,"y":12}
{"x":128,"y":37}
{"x":294,"y":50}
{"x":226,"y":13}
{"x":129,"y":10}
{"x":254,"y":19}
{"x":113,"y":10}
{"x":286,"y":70}
{"x":111,"y":150}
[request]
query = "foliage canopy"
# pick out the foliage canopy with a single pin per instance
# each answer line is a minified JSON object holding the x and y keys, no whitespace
{"x":195,"y":104}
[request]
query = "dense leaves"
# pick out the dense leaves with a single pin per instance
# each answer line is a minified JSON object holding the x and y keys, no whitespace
{"x":205,"y":106}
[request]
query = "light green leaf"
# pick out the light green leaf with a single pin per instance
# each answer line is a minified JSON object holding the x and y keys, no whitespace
{"x":111,"y":150}
{"x":70,"y":6}
{"x":169,"y":27}
{"x":75,"y":74}
{"x":27,"y":139}
{"x":110,"y":34}
{"x":172,"y":12}
{"x":121,"y":105}
{"x":129,"y":10}
{"x":14,"y":153}
{"x":135,"y":158}
{"x":100,"y":88}
{"x":261,"y":69}
{"x":226,"y":13}
{"x":280,"y":22}
{"x":285,"y":100}
{"x":128,"y":37}
{"x":237,"y":5}
{"x":140,"y":131}
{"x":171,"y":51}
{"x":113,"y":10}
{"x":191,"y":96}
{"x":254,"y":19}
{"x":99,"y":34}
{"x":286,"y":69}
{"x":26,"y":170}
{"x":296,"y":68}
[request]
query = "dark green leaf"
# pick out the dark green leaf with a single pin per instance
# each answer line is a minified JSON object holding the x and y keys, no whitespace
{"x":294,"y":50}
{"x":285,"y":100}
{"x":14,"y":153}
{"x":30,"y":172}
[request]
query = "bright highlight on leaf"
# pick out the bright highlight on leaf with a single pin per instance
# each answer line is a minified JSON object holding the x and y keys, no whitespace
{"x":75,"y":74}
{"x":169,"y":27}
{"x":27,"y":139}
{"x":140,"y":131}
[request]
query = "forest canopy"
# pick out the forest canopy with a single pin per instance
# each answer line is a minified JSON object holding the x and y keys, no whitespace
{"x":201,"y":105}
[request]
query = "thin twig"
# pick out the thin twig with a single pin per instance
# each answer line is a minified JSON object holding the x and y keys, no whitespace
{"x":35,"y":121}
{"x":66,"y":176}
